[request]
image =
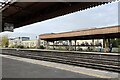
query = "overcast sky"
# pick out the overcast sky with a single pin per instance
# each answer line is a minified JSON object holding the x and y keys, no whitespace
{"x":101,"y":16}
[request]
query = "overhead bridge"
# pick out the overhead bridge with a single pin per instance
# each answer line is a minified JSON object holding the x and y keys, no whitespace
{"x":24,"y":13}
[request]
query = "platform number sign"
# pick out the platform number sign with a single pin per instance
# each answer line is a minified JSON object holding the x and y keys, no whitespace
{"x":8,"y":27}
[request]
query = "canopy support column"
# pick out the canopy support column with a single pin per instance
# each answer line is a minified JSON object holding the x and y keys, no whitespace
{"x":70,"y":45}
{"x":47,"y":44}
{"x":106,"y":44}
{"x":53,"y":45}
{"x":75,"y":45}
{"x":38,"y":43}
{"x":93,"y":44}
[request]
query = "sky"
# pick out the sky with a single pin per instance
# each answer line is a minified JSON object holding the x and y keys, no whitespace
{"x":97,"y":17}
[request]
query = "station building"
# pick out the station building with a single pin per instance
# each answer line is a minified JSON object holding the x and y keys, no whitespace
{"x":17,"y":40}
{"x":29,"y":43}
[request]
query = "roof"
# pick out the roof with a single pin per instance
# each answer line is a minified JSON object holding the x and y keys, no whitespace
{"x":106,"y":32}
{"x":25,"y":13}
{"x":3,"y":3}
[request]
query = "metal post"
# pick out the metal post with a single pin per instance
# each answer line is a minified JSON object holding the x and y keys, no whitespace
{"x":38,"y":43}
{"x":70,"y":43}
{"x":53,"y":45}
{"x":75,"y":45}
{"x":108,"y":41}
{"x":105,"y":44}
{"x":47,"y":44}
{"x":93,"y":42}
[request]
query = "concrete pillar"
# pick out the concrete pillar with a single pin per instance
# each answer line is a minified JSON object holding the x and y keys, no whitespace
{"x":70,"y":45}
{"x":75,"y":45}
{"x":104,"y":43}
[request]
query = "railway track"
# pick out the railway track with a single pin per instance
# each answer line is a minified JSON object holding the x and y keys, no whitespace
{"x":97,"y":61}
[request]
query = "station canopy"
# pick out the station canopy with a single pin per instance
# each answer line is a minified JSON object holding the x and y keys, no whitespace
{"x":24,"y":13}
{"x":3,"y":3}
{"x":94,"y":33}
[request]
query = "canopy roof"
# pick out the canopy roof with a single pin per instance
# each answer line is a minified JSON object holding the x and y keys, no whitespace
{"x":96,"y":33}
{"x":25,"y":13}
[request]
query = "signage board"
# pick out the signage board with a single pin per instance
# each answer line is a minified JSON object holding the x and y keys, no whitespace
{"x":8,"y":27}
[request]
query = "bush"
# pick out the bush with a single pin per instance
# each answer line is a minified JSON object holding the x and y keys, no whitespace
{"x":80,"y":49}
{"x":41,"y":47}
{"x":32,"y":47}
{"x":27,"y":47}
{"x":89,"y":49}
{"x":118,"y":46}
{"x":11,"y":46}
{"x":20,"y":46}
{"x":116,"y":42}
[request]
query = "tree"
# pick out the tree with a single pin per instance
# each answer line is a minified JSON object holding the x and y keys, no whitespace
{"x":4,"y":41}
{"x":115,"y":42}
{"x":0,"y":41}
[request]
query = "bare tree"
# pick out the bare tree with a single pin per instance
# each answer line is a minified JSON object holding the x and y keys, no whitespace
{"x":4,"y":41}
{"x":0,"y":41}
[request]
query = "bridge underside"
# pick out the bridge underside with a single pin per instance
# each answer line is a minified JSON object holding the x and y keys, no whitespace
{"x":25,"y":13}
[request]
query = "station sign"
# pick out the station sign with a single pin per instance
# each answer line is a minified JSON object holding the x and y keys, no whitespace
{"x":8,"y":27}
